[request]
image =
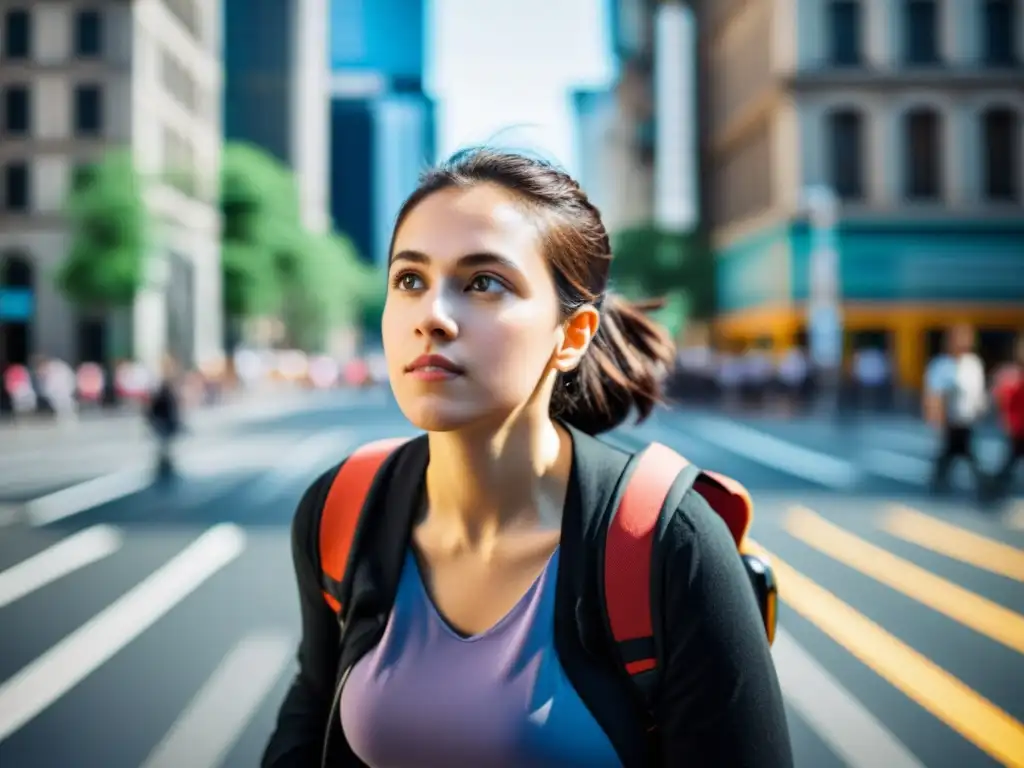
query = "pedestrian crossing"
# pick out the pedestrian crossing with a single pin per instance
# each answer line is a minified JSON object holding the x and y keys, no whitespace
{"x":900,"y":642}
{"x":124,"y":447}
{"x":905,"y":596}
{"x":83,"y":472}
{"x":861,"y":456}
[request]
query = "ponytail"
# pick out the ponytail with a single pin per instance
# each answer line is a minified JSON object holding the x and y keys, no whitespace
{"x":621,"y":372}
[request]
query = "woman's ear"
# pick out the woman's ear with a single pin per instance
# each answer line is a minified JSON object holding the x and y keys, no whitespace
{"x":577,"y":334}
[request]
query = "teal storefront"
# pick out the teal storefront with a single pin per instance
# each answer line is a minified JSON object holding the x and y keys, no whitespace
{"x":904,"y":280}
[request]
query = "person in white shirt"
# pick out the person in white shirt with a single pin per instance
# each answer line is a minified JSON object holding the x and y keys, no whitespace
{"x":955,"y":398}
{"x":59,"y":385}
{"x":793,"y":373}
{"x":871,"y":374}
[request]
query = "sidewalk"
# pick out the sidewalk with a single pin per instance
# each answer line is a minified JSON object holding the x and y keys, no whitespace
{"x":127,"y":423}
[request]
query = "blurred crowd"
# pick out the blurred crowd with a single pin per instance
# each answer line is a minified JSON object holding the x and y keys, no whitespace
{"x":957,"y":397}
{"x":958,"y":393}
{"x":759,"y":379}
{"x":50,"y":388}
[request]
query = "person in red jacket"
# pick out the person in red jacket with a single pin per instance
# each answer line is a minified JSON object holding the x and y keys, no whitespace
{"x":1009,"y":397}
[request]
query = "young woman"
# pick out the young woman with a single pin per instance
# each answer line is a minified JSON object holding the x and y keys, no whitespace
{"x":467,"y":638}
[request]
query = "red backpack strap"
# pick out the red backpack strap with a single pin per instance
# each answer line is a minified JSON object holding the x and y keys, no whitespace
{"x":340,"y":515}
{"x":730,"y":500}
{"x":629,"y":547}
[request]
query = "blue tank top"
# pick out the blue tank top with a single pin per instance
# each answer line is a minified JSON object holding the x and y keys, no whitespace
{"x":426,"y":696}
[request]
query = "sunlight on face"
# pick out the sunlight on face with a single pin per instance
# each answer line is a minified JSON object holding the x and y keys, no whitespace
{"x":468,"y":281}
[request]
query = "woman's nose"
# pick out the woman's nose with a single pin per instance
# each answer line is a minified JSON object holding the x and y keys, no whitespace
{"x":438,"y":321}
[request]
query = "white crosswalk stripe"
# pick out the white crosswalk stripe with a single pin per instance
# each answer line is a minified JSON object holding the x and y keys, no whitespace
{"x":212,"y":722}
{"x":860,"y":454}
{"x":65,"y":665}
{"x":129,"y":469}
{"x":58,"y":561}
{"x":843,"y":723}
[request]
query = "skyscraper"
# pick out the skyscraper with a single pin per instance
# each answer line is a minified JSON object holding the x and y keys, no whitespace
{"x":381,"y":119}
{"x":276,"y":93}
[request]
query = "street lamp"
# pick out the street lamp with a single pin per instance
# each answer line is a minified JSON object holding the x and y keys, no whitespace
{"x":824,"y":317}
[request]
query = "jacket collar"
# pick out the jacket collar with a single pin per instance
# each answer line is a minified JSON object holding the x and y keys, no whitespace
{"x":397,"y":496}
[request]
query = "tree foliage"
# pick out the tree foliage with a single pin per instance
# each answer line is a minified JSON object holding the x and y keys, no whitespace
{"x":675,"y":266}
{"x":261,"y":227}
{"x":106,"y":214}
{"x":271,"y":263}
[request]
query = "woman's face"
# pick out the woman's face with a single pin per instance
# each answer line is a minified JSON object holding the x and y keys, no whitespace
{"x":468,"y":282}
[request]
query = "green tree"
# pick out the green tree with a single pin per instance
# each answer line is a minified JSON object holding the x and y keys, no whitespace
{"x":677,"y":267}
{"x":325,"y":288}
{"x":372,"y":308}
{"x":272,"y":264}
{"x":106,"y":213}
{"x":261,"y":230}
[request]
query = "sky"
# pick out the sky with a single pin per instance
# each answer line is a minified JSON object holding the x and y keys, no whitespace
{"x":504,"y":71}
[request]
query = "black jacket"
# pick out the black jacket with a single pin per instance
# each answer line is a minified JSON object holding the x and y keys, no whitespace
{"x":718,"y":702}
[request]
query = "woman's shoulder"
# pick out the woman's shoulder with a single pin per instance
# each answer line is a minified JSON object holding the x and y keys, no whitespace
{"x":309,"y":512}
{"x":694,"y":529}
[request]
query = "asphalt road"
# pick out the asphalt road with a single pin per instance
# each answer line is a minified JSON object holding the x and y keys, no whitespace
{"x":155,"y":627}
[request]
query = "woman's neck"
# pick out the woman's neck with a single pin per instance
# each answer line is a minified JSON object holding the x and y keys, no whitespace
{"x":482,"y":482}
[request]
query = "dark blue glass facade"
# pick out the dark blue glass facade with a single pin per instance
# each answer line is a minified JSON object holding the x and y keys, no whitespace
{"x":352,"y":172}
{"x":257,"y":42}
{"x":379,"y":146}
{"x":380,"y":142}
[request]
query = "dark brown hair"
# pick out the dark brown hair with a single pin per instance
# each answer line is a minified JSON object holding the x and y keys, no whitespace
{"x":629,"y":355}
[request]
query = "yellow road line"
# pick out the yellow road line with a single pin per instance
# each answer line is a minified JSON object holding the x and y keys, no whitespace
{"x":955,"y":542}
{"x":972,"y":610}
{"x":964,"y":710}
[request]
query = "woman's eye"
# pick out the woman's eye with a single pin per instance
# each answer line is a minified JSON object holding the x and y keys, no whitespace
{"x":485,"y":284}
{"x":408,"y":282}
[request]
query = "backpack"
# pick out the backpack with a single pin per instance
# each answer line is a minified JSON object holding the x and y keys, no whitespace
{"x":628,"y":545}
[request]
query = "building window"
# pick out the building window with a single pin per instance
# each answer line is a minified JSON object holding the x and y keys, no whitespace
{"x":88,"y":33}
{"x":179,"y":162}
{"x":16,"y":187}
{"x":922,"y":32}
{"x":178,"y":82}
{"x":998,"y":27}
{"x":1001,"y":152}
{"x":88,"y":110}
{"x":188,"y":14}
{"x":923,"y":152}
{"x":17,"y":35}
{"x":844,"y":28}
{"x":17,"y":110}
{"x":846,"y":160}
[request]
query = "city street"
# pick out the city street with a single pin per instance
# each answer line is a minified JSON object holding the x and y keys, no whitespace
{"x":156,"y":627}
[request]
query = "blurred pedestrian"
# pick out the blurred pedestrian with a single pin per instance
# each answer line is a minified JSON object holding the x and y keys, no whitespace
{"x":164,"y":416}
{"x":59,"y":386}
{"x":871,"y":377}
{"x":37,"y":379}
{"x":955,"y":399}
{"x":1008,"y":394}
{"x":793,"y":372}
